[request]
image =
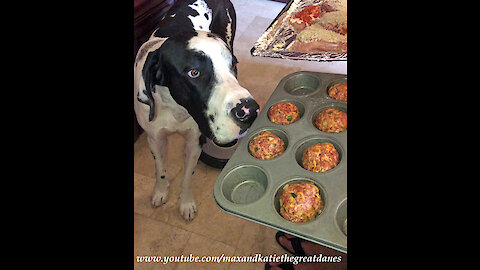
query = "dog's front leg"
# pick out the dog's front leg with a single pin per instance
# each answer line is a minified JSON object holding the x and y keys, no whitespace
{"x":158,"y":147}
{"x":192,"y":153}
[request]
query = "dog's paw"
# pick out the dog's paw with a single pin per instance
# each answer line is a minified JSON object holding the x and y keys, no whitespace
{"x":159,"y":197}
{"x":188,"y":208}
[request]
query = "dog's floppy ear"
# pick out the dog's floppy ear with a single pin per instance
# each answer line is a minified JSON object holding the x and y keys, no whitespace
{"x":152,"y":75}
{"x":234,"y":65}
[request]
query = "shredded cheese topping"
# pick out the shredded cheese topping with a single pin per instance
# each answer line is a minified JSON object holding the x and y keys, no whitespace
{"x":333,"y":17}
{"x":317,"y":32}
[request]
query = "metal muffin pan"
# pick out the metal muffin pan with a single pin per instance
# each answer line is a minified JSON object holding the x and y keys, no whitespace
{"x":250,"y":188}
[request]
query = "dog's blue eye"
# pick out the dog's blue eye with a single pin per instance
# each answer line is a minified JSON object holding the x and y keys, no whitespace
{"x":193,"y":73}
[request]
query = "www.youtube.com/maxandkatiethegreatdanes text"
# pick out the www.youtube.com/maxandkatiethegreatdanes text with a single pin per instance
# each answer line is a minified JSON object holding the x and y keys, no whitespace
{"x":257,"y":258}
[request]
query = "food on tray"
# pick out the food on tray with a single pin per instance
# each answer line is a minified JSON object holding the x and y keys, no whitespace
{"x":304,"y":18}
{"x":301,"y":19}
{"x":266,"y":145}
{"x":334,"y":21}
{"x":331,"y":120}
{"x":283,"y":113}
{"x":300,"y":202}
{"x":320,"y":157}
{"x":321,"y":28}
{"x":338,"y":91}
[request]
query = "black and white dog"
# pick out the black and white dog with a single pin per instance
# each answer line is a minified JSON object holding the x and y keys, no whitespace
{"x":185,"y":82}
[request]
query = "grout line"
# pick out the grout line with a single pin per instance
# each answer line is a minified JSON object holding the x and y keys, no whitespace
{"x":185,"y":247}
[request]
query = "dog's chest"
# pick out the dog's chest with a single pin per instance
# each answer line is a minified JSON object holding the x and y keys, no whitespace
{"x":167,"y":121}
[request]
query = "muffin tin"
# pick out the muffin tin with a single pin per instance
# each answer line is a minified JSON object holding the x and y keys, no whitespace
{"x":250,"y":188}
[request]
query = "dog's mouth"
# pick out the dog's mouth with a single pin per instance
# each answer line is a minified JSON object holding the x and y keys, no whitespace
{"x":225,"y":145}
{"x":242,"y":134}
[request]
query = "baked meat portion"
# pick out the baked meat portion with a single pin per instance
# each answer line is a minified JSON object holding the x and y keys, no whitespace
{"x":300,"y":202}
{"x":321,"y":28}
{"x":331,"y":120}
{"x":266,"y":145}
{"x":320,"y":157}
{"x":283,"y":113}
{"x":309,"y":15}
{"x":338,"y":91}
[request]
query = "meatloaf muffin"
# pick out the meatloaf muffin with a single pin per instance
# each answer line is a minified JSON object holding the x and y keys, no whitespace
{"x":331,"y":120}
{"x":338,"y":91}
{"x":320,"y":157}
{"x":283,"y":113}
{"x":266,"y":145}
{"x":300,"y":202}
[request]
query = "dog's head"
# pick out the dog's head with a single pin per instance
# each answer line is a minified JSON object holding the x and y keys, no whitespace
{"x":199,"y":70}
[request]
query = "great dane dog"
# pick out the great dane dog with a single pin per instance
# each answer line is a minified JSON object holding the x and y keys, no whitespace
{"x":185,"y":82}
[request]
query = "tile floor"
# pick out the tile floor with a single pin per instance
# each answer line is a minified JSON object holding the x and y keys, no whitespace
{"x":162,"y":231}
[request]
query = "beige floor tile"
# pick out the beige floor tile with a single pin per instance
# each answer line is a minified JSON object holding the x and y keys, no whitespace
{"x":259,"y":80}
{"x":142,"y":194}
{"x":144,"y":177}
{"x":256,"y":239}
{"x":143,"y":162}
{"x":220,"y":226}
{"x":154,"y":238}
{"x":245,"y":265}
{"x":201,"y":246}
{"x":202,"y":185}
{"x":210,"y":220}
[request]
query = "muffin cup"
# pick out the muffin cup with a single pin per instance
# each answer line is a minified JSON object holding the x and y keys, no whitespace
{"x":332,"y":83}
{"x":340,"y":107}
{"x":279,"y":133}
{"x":341,"y":217}
{"x":278,"y":193}
{"x":300,"y":106}
{"x":304,"y":144}
{"x":302,"y":84}
{"x":244,"y":184}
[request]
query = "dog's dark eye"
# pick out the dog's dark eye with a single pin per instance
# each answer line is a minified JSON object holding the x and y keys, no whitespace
{"x":193,"y":73}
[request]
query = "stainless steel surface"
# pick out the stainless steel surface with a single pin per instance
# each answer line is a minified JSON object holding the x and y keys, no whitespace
{"x":250,"y":188}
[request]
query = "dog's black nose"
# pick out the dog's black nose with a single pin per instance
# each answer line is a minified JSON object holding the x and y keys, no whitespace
{"x":245,"y":112}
